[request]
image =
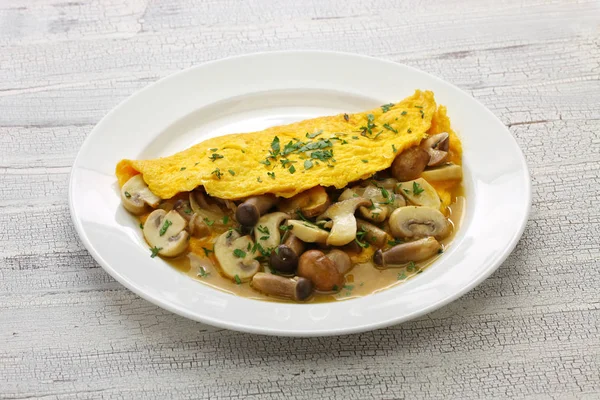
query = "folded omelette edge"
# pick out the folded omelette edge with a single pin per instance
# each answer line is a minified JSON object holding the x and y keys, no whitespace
{"x":288,"y":159}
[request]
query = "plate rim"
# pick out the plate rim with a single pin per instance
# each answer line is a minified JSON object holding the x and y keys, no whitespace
{"x":165,"y":304}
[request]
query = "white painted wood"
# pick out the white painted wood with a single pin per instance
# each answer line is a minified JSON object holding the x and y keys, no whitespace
{"x":68,"y":330}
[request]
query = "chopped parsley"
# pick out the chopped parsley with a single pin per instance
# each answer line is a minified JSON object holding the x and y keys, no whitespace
{"x":322,"y":155}
{"x":286,"y":227}
{"x":265,"y":161}
{"x":292,"y":169}
{"x":225,"y":219}
{"x":390,"y":128}
{"x":187,"y":211}
{"x":401,"y":276}
{"x":127,"y":194}
{"x":232,"y":172}
{"x":217,"y":173}
{"x":207,"y":251}
{"x":141,"y":226}
{"x":275,"y":147}
{"x":346,"y":117}
{"x":259,"y":180}
{"x":417,"y":189}
{"x":411,"y":266}
{"x":215,"y":156}
{"x":418,"y":106}
{"x":369,"y":127}
{"x":394,"y":149}
{"x":239,"y":253}
{"x":403,"y":113}
{"x":308,"y":164}
{"x":355,"y":137}
{"x":271,"y":174}
{"x":386,"y":107}
{"x":182,"y":169}
{"x":365,"y":161}
{"x":208,"y":221}
{"x":394,"y":242}
{"x":202,"y":272}
{"x":409,"y":130}
{"x":164,"y":228}
{"x":422,"y":114}
{"x":238,"y":280}
{"x":265,"y":231}
{"x":314,"y":135}
{"x":155,"y":251}
{"x":213,"y":150}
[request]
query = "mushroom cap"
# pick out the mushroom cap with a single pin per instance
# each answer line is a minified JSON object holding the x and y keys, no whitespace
{"x":231,"y":251}
{"x":341,"y":213}
{"x":284,"y":259}
{"x":437,"y":147}
{"x":420,"y":193}
{"x":409,"y":164}
{"x":250,"y":210}
{"x":342,"y":261}
{"x":266,"y":230}
{"x":307,"y":232}
{"x":416,"y":221}
{"x":174,"y":239}
{"x":315,"y":266}
{"x":135,"y":195}
{"x":403,"y":253}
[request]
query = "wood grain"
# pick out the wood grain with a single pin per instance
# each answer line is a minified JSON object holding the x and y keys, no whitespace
{"x":70,"y":331}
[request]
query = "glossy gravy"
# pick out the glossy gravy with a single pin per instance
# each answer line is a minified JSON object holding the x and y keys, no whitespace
{"x":363,"y":279}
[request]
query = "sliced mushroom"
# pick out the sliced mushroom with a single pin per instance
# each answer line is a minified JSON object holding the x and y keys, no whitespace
{"x":135,"y":195}
{"x":298,"y":289}
{"x":437,"y":148}
{"x":420,"y":193}
{"x":166,"y":232}
{"x":266,"y":231}
{"x":234,"y":257}
{"x":413,"y":221}
{"x":378,"y":210}
{"x":310,"y":203}
{"x":351,"y":193}
{"x":375,"y":236}
{"x":341,"y":214}
{"x":342,"y":261}
{"x":307,"y":232}
{"x":285,"y":257}
{"x":315,"y":266}
{"x":211,"y":214}
{"x":446,"y":172}
{"x":250,"y":210}
{"x":196,"y":225}
{"x":418,"y":250}
{"x":409,"y":164}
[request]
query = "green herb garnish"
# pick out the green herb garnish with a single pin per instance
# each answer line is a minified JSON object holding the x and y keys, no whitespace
{"x":141,"y":226}
{"x":217,"y":172}
{"x":390,"y":128}
{"x":127,"y":194}
{"x":365,"y":161}
{"x":411,"y":266}
{"x":232,"y":172}
{"x":394,"y":149}
{"x":208,"y":221}
{"x":182,"y":169}
{"x":386,"y":107}
{"x":259,"y":180}
{"x":271,"y":174}
{"x":346,"y":117}
{"x":215,"y":156}
{"x":202,"y":272}
{"x":417,"y":189}
{"x":213,"y":150}
{"x":154,"y":251}
{"x":239,"y":253}
{"x":308,"y":164}
{"x":164,"y":228}
{"x":207,"y":251}
{"x":403,"y":113}
{"x":225,"y":219}
{"x":238,"y":280}
{"x":313,"y":135}
{"x":292,"y":169}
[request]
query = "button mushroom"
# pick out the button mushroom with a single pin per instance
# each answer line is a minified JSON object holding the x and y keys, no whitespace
{"x":403,"y":253}
{"x":315,"y":266}
{"x":166,"y":232}
{"x":196,"y":225}
{"x":310,"y":203}
{"x":266,"y":231}
{"x":414,"y":221}
{"x":446,"y":172}
{"x":234,"y":257}
{"x":373,"y":235}
{"x":298,"y":289}
{"x":307,"y":232}
{"x":420,"y":193}
{"x":437,"y":148}
{"x":285,"y":257}
{"x":409,"y":164}
{"x":250,"y":210}
{"x":341,"y":214}
{"x":352,"y":192}
{"x":135,"y":195}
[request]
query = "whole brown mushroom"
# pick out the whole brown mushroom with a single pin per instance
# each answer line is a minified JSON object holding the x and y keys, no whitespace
{"x":409,"y":164}
{"x":315,"y":266}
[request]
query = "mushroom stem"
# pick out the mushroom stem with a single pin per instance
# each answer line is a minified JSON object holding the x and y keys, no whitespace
{"x":285,"y":257}
{"x":418,"y":250}
{"x":250,"y":210}
{"x":374,"y":236}
{"x":296,"y":289}
{"x":446,"y":172}
{"x":342,"y":261}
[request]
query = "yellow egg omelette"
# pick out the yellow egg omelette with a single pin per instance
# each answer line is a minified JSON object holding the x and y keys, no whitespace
{"x":288,"y":159}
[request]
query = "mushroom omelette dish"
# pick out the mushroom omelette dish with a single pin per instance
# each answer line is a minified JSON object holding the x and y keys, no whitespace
{"x":326,"y":208}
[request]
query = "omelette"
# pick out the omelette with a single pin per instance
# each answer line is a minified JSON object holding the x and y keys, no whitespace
{"x":300,"y":211}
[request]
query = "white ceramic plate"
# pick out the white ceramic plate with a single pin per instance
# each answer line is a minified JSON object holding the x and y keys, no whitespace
{"x":256,"y":91}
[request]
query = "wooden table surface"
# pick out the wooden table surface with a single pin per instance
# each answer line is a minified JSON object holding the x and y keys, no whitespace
{"x":69,"y":331}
